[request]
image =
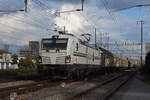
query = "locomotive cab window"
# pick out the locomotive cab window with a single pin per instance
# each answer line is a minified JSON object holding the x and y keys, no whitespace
{"x":77,"y":46}
{"x":54,"y":44}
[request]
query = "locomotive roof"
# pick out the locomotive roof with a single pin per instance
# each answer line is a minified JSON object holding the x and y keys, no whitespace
{"x":68,"y":34}
{"x":60,"y":33}
{"x":106,"y":51}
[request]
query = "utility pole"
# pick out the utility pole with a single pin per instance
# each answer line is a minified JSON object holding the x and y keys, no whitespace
{"x":26,"y":5}
{"x":108,"y":41}
{"x":82,"y":5}
{"x":141,"y":56}
{"x":101,"y":44}
{"x":95,"y":38}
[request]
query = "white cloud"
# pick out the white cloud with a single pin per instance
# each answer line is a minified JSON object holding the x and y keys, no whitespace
{"x":13,"y":26}
{"x":19,"y":28}
{"x":73,"y":21}
{"x":94,"y":17}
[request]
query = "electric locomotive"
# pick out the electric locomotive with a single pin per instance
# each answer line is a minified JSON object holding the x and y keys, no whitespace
{"x":65,"y":55}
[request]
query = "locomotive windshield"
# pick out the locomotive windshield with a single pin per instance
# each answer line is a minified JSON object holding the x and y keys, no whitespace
{"x":54,"y":44}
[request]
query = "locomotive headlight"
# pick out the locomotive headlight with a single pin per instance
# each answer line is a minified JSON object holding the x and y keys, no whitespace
{"x":67,"y":59}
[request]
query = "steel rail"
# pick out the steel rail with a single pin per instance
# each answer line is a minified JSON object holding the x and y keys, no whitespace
{"x":108,"y":95}
{"x":113,"y":91}
{"x":22,"y":89}
{"x":6,"y":81}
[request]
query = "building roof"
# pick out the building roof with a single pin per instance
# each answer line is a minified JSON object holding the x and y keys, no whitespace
{"x":3,"y":51}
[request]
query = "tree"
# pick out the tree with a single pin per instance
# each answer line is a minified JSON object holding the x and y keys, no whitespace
{"x":14,"y":59}
{"x":21,"y":62}
{"x":27,"y":62}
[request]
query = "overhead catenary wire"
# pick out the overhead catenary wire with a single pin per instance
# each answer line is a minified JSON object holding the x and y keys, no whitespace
{"x":33,"y":24}
{"x":15,"y":29}
{"x":66,"y":19}
{"x":48,"y":7}
{"x":37,"y":15}
{"x":36,"y":23}
{"x":93,"y":26}
{"x":114,"y":18}
{"x":90,"y":23}
{"x":133,"y":6}
{"x":17,"y":10}
{"x":18,"y":19}
{"x":105,"y":3}
{"x":11,"y":10}
{"x":20,"y":30}
{"x":12,"y":37}
{"x":24,"y":23}
{"x":9,"y":35}
{"x":42,"y":5}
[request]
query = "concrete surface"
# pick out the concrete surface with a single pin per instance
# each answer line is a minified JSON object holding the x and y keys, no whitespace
{"x":135,"y":89}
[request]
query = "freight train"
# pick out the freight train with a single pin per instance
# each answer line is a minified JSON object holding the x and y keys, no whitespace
{"x":65,"y":55}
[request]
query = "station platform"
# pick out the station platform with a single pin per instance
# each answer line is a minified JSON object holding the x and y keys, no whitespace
{"x":135,"y":89}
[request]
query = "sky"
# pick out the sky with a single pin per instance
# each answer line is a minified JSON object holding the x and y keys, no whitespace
{"x":17,"y":28}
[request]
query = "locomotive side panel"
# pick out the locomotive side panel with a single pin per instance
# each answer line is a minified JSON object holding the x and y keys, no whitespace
{"x":86,"y":55}
{"x":79,"y":54}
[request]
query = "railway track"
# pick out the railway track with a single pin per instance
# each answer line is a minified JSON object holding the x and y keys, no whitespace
{"x":6,"y":81}
{"x":27,"y":88}
{"x":105,"y":90}
{"x":108,"y":87}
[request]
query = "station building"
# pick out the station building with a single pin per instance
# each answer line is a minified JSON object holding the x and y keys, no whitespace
{"x":5,"y":59}
{"x":31,"y":51}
